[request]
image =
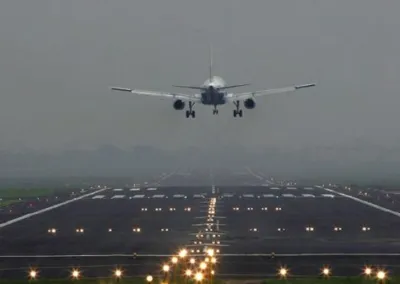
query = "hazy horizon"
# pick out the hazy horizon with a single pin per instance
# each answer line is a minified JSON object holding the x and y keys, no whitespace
{"x":59,"y":58}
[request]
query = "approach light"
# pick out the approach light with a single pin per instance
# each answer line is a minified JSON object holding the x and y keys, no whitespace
{"x":199,"y":276}
{"x":174,"y":259}
{"x":326,"y":271}
{"x":165,"y":268}
{"x":192,"y":261}
{"x":368,"y":271}
{"x":149,"y":278}
{"x":188,"y":272}
{"x":75,"y":273}
{"x":203,"y":265}
{"x":183,"y":253}
{"x":33,"y":274}
{"x":213,"y":260}
{"x":283,"y":272}
{"x":118,"y":273}
{"x":381,"y":275}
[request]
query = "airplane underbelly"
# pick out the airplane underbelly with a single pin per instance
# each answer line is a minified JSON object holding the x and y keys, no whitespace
{"x":214,"y":99}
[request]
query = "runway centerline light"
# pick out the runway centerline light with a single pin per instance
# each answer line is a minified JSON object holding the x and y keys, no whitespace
{"x":210,"y":252}
{"x":381,"y":275}
{"x":149,"y":278}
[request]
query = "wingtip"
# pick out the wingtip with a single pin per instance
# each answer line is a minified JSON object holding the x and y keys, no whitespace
{"x":305,"y":86}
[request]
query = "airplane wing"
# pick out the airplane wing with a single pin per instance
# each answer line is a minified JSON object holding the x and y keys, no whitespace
{"x":164,"y":95}
{"x":248,"y":95}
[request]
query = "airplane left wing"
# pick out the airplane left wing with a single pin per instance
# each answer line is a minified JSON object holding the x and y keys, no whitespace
{"x":164,"y":95}
{"x":249,"y":95}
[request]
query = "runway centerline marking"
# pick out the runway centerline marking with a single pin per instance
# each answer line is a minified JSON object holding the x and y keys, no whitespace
{"x":13,"y":221}
{"x":383,"y":209}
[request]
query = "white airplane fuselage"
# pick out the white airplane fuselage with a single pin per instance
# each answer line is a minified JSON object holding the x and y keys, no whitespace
{"x":212,"y":95}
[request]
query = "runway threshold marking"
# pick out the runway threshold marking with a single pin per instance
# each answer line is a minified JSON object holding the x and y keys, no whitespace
{"x":383,"y":209}
{"x":13,"y":221}
{"x":222,"y":254}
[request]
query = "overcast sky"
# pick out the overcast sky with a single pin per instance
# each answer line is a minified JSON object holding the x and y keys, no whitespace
{"x":58,"y":59}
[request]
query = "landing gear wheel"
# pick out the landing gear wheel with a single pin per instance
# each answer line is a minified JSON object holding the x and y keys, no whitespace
{"x":237,"y":111}
{"x":193,"y":114}
{"x":240,"y":113}
{"x":234,"y":113}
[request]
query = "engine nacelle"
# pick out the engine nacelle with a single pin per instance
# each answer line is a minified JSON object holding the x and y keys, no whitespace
{"x":179,"y":105}
{"x":249,"y":104}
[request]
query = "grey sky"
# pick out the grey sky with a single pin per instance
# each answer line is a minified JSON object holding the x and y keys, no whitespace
{"x":58,"y":58}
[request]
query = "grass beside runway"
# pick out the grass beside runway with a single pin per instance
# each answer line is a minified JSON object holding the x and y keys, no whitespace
{"x":331,"y":280}
{"x":10,"y":194}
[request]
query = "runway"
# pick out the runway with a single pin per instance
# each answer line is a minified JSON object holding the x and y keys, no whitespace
{"x":307,"y":227}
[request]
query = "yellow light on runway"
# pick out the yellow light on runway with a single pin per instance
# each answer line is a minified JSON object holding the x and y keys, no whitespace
{"x":213,"y":260}
{"x":188,"y":272}
{"x":174,"y":259}
{"x":192,"y":261}
{"x":149,"y":278}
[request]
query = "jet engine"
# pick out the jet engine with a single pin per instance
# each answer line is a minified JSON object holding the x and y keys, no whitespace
{"x":179,"y":105}
{"x":249,"y":104}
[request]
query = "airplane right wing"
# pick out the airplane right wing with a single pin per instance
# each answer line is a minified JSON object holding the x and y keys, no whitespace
{"x":249,"y":95}
{"x":165,"y":95}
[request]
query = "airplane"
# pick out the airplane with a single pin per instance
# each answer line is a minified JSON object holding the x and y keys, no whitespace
{"x":214,"y":93}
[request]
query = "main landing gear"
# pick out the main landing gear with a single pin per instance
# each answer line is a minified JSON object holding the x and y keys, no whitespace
{"x":237,"y":111}
{"x":215,"y":110}
{"x":190,"y":112}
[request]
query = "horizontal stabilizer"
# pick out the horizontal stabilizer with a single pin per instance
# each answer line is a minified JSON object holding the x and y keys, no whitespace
{"x":189,"y":87}
{"x":233,"y":86}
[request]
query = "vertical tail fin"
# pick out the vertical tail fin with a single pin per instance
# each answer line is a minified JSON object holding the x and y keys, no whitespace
{"x":211,"y":62}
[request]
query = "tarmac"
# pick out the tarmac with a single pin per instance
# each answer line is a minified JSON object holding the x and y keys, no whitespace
{"x":258,"y":225}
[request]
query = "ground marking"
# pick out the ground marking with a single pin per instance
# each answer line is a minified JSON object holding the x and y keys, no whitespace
{"x":5,"y":224}
{"x":383,"y":209}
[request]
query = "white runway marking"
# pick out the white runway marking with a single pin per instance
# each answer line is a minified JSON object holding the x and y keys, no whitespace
{"x":383,"y":209}
{"x":5,"y":224}
{"x":98,"y":197}
{"x":117,"y":189}
{"x":118,"y":196}
{"x":276,"y":188}
{"x":308,"y":195}
{"x":309,"y":188}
